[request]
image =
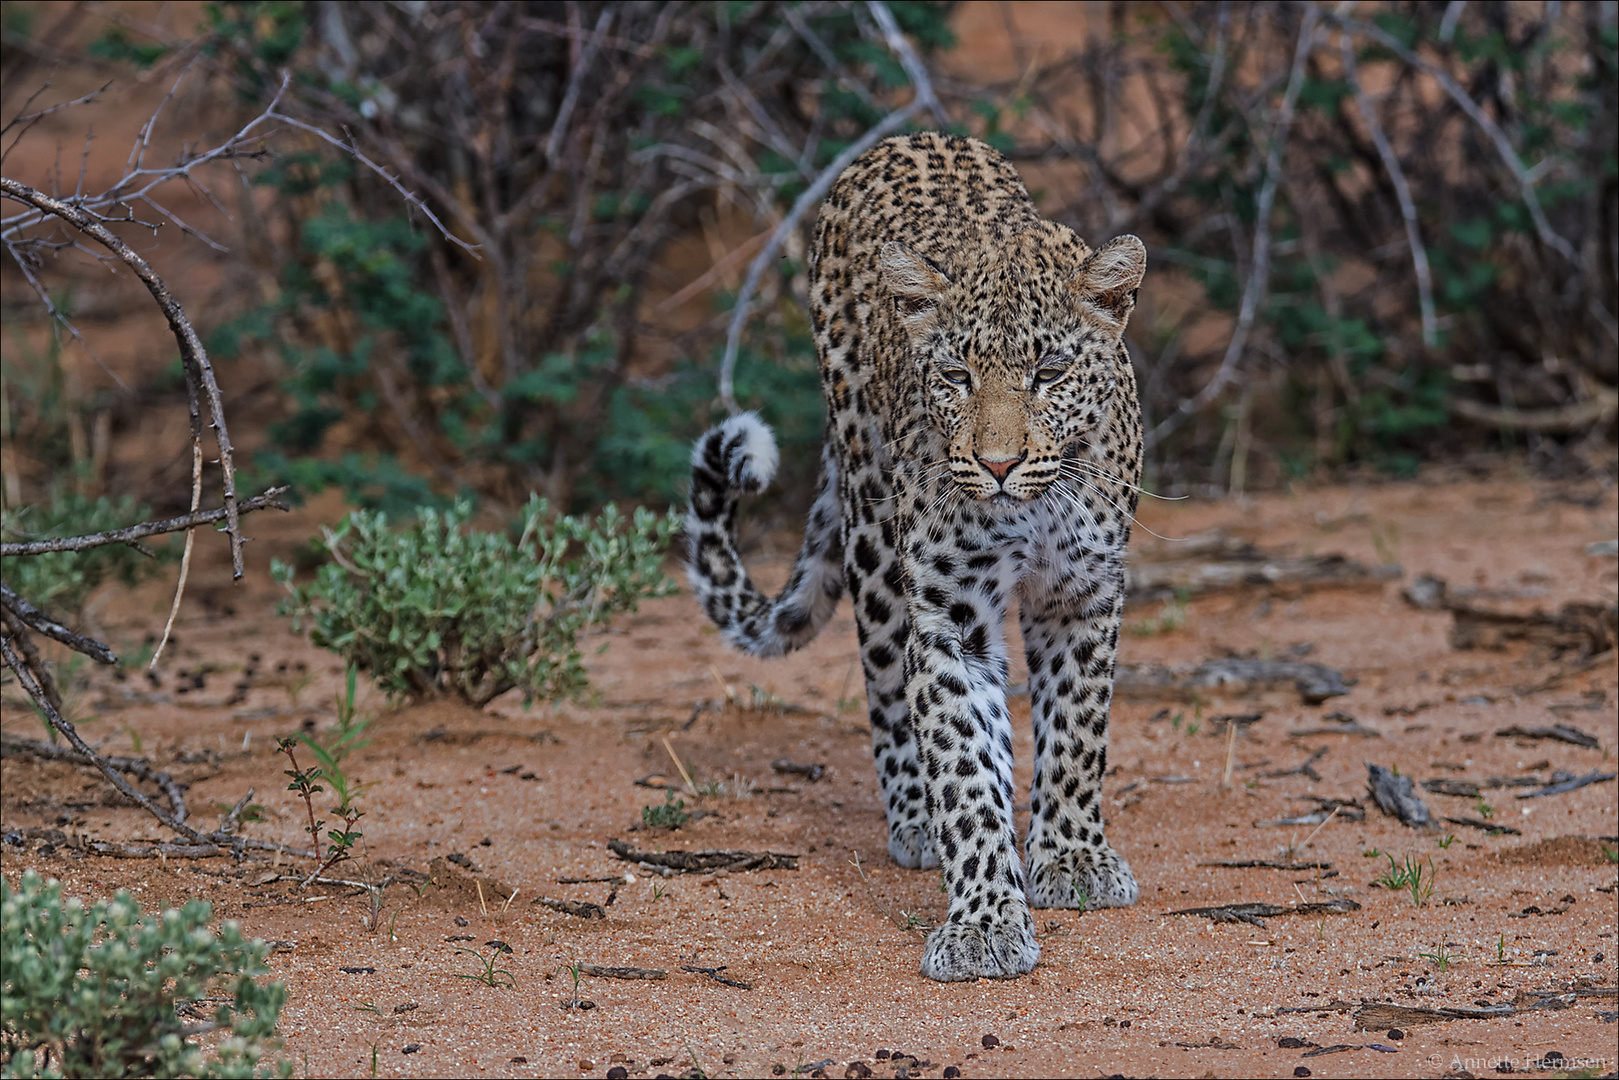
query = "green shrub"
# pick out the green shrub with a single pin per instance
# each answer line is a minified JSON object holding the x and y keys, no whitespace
{"x":94,"y":992}
{"x":435,"y":608}
{"x":63,"y":580}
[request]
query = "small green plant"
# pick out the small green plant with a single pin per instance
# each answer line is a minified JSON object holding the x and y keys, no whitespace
{"x":1371,"y":853}
{"x":1485,"y":810}
{"x":1170,"y":618}
{"x":348,"y":734}
{"x":658,"y":891}
{"x":306,"y":782}
{"x":1611,"y":854}
{"x":1411,"y":876}
{"x":576,"y":970}
{"x":1441,"y":958}
{"x":434,"y":608}
{"x":490,"y":976}
{"x":1193,"y":729}
{"x":1501,"y":949}
{"x":671,"y":815}
{"x":93,"y":991}
{"x":1082,"y":896}
{"x":1445,"y":842}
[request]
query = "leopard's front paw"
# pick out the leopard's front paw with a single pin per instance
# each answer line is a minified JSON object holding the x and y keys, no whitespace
{"x":1081,"y":879}
{"x":957,"y":952}
{"x":912,"y":848}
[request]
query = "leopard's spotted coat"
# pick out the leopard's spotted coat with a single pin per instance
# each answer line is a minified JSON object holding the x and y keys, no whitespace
{"x":984,"y":442}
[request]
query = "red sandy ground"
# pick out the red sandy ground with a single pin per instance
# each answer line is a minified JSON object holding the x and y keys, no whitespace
{"x":833,"y":974}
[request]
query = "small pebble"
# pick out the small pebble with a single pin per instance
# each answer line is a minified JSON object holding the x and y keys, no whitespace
{"x":586,"y":1065}
{"x":411,"y":1048}
{"x":519,"y":1060}
{"x":857,"y":1070}
{"x":459,"y":921}
{"x":951,"y":1072}
{"x":1396,"y":1034}
{"x":618,"y":1072}
{"x":990,"y":1042}
{"x":1301,"y":1071}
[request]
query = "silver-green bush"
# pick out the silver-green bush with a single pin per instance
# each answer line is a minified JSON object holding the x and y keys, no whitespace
{"x":94,"y":991}
{"x":436,"y":608}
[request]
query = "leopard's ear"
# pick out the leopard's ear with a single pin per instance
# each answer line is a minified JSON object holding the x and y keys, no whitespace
{"x":1110,"y":277}
{"x":916,"y":284}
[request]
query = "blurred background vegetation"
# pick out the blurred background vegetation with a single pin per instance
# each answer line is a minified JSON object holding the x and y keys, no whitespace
{"x":1380,"y":234}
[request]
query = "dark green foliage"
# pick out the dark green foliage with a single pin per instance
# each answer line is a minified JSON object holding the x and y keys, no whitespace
{"x":100,"y":991}
{"x":436,"y":608}
{"x":415,"y":373}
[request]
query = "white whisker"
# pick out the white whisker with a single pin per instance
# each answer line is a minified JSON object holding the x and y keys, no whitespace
{"x":1087,"y":485}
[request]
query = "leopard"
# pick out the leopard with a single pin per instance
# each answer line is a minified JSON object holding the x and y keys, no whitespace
{"x":983,"y":445}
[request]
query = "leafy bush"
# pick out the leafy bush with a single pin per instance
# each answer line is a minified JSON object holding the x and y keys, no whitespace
{"x":94,"y":992}
{"x":62,"y":581}
{"x":435,"y":608}
{"x":405,"y":359}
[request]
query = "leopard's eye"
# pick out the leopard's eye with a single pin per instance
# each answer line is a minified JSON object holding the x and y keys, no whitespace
{"x":1048,"y":374}
{"x":955,"y":376}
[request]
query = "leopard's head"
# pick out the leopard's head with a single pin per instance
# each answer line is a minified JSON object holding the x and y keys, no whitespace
{"x":1018,"y":351}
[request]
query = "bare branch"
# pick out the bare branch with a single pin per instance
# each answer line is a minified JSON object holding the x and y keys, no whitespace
{"x":270,"y":499}
{"x":48,"y":626}
{"x":1503,"y":145}
{"x":1402,"y":191}
{"x":1259,"y":276}
{"x":914,"y":68}
{"x":192,"y":352}
{"x":812,"y":195}
{"x":138,"y":767}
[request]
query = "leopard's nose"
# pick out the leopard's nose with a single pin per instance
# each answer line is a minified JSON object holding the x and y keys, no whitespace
{"x":999,"y":468}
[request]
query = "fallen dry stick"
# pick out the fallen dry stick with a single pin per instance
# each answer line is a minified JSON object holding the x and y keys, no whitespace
{"x":704,"y":862}
{"x":1488,"y":826}
{"x":1563,"y":787}
{"x":1254,"y":914}
{"x":1265,"y":864}
{"x":601,"y":972}
{"x":1561,"y":732}
{"x":1314,"y":682}
{"x":714,"y":973}
{"x":584,"y":909}
{"x":1251,"y":569}
{"x":1378,"y":1015}
{"x":1396,"y":796}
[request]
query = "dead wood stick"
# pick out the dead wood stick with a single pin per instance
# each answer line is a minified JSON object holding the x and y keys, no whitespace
{"x":57,"y":721}
{"x":192,"y":353}
{"x":714,"y":973}
{"x":1256,"y":913}
{"x":14,"y":628}
{"x":601,"y":972}
{"x":697,"y":862}
{"x":584,"y":909}
{"x":134,"y":766}
{"x":270,"y":499}
{"x":18,"y":608}
{"x":1265,"y":864}
{"x":810,"y":196}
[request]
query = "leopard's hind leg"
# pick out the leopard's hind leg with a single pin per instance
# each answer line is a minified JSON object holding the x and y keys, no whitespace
{"x":876,"y":587}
